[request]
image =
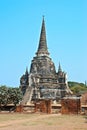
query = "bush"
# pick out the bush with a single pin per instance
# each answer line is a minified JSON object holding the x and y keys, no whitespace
{"x":10,"y":95}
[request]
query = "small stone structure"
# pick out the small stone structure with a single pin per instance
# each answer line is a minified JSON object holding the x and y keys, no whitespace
{"x":19,"y":108}
{"x":70,"y":105}
{"x":84,"y":99}
{"x":43,"y":106}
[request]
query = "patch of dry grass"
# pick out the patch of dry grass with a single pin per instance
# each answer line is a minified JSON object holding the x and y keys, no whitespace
{"x":63,"y":122}
{"x":15,"y":116}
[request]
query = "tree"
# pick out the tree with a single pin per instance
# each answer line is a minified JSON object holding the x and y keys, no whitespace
{"x":77,"y":88}
{"x":3,"y":95}
{"x":10,"y":95}
{"x":15,"y":96}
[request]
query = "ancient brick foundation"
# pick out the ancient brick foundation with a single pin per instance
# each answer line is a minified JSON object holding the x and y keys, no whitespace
{"x":71,"y":106}
{"x":19,"y":108}
{"x":43,"y":106}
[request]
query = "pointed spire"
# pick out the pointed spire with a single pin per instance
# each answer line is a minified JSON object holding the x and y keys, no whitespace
{"x":42,"y":48}
{"x":26,"y":72}
{"x":59,"y":69}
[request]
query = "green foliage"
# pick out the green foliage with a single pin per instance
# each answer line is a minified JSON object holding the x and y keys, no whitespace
{"x":15,"y":95}
{"x":77,"y":88}
{"x":10,"y":95}
{"x":3,"y":95}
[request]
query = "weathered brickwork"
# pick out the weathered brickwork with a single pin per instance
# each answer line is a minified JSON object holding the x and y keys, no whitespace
{"x":43,"y":106}
{"x":71,"y":105}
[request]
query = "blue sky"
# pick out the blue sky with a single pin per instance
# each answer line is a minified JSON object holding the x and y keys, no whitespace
{"x":66,"y":29}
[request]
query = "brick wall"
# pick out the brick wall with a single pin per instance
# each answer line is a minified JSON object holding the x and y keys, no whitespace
{"x":70,"y":106}
{"x":43,"y":106}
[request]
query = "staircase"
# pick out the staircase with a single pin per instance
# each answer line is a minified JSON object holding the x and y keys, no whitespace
{"x":27,"y":96}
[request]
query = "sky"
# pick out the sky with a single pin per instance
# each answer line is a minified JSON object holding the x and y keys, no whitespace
{"x":66,"y":32}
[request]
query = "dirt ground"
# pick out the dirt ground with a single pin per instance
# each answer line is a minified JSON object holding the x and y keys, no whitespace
{"x":19,"y":121}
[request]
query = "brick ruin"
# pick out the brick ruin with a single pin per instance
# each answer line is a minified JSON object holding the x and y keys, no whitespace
{"x":71,"y":105}
{"x":43,"y":106}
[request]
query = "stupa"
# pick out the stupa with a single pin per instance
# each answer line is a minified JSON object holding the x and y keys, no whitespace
{"x":42,"y":81}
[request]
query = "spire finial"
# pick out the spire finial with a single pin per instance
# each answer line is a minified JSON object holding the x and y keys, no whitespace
{"x":59,"y":69}
{"x":43,"y":16}
{"x":42,"y":48}
{"x":26,"y":72}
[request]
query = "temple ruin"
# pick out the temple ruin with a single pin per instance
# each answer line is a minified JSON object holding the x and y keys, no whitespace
{"x":42,"y":81}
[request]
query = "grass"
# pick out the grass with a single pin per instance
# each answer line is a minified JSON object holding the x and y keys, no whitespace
{"x":10,"y":117}
{"x":77,"y":122}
